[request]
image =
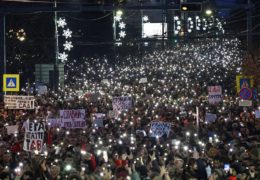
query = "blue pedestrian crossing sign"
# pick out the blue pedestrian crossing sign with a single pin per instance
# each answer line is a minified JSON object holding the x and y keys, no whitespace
{"x":11,"y":82}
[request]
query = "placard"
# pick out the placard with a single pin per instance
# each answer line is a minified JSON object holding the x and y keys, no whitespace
{"x":143,"y":80}
{"x":121,"y":103}
{"x":158,"y":129}
{"x":245,"y":103}
{"x":97,"y":119}
{"x":34,"y":136}
{"x":214,"y":94}
{"x":19,"y":102}
{"x":54,"y":122}
{"x":210,"y":118}
{"x":74,"y":118}
{"x":257,"y":114}
{"x":12,"y":129}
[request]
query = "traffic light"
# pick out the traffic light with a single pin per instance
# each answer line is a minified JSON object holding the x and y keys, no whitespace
{"x":190,"y":7}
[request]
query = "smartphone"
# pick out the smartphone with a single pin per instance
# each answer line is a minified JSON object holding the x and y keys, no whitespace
{"x":226,"y":167}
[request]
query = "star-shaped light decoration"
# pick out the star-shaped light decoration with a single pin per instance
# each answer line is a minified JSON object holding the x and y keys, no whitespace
{"x":122,"y":34}
{"x":63,"y":57}
{"x":121,"y":25}
{"x":118,"y":18}
{"x":145,"y":19}
{"x":68,"y":45}
{"x":67,"y":33}
{"x":61,"y":22}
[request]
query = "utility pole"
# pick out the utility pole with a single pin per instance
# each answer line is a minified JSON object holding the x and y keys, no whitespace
{"x":55,"y":69}
{"x":249,"y":25}
{"x":2,"y":49}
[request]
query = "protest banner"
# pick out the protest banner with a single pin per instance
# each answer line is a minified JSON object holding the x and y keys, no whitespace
{"x":158,"y":129}
{"x":12,"y":129}
{"x":210,"y":118}
{"x":97,"y":119}
{"x":257,"y":114}
{"x":74,"y":118}
{"x":19,"y":102}
{"x":214,"y":94}
{"x":54,"y":122}
{"x":34,"y":136}
{"x":121,"y":103}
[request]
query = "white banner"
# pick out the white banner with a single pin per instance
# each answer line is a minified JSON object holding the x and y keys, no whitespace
{"x":74,"y":118}
{"x":34,"y":136}
{"x":210,"y":118}
{"x":98,"y":119}
{"x":19,"y":102}
{"x":215,"y":94}
{"x":158,"y":129}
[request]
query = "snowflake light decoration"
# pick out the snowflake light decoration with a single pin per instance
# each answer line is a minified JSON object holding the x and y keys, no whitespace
{"x":121,"y":25}
{"x":145,"y":19}
{"x":67,"y":33}
{"x":117,"y":18}
{"x":61,"y":22}
{"x":63,"y":57}
{"x":68,"y":45}
{"x":122,"y":34}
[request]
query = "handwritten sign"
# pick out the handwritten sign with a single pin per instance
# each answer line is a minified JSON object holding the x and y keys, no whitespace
{"x":214,"y":94}
{"x":74,"y":118}
{"x":158,"y":129}
{"x":34,"y":136}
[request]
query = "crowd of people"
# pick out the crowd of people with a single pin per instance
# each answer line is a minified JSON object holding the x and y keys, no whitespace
{"x":167,"y":85}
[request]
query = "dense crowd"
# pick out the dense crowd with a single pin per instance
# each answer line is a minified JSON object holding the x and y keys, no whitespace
{"x":177,"y":81}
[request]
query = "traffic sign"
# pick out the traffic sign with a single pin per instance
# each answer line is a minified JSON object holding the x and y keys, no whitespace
{"x":11,"y":82}
{"x":245,"y":93}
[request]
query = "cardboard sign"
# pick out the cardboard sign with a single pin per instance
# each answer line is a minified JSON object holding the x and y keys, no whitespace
{"x":12,"y":129}
{"x":245,"y":103}
{"x":19,"y":102}
{"x":34,"y":136}
{"x":74,"y":118}
{"x":214,"y":94}
{"x":98,"y":119}
{"x":158,"y":129}
{"x":210,"y":118}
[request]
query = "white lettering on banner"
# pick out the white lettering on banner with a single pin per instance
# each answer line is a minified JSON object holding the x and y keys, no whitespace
{"x":34,"y":136}
{"x":73,"y":118}
{"x":158,"y":129}
{"x":214,"y":94}
{"x":11,"y":102}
